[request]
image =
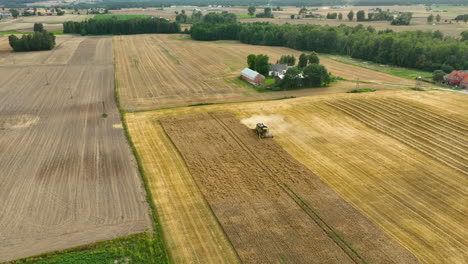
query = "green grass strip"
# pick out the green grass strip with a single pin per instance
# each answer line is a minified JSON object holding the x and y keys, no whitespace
{"x":161,"y":254}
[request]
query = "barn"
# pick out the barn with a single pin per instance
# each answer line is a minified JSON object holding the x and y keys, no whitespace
{"x":455,"y":77}
{"x":464,"y":82}
{"x":252,"y":77}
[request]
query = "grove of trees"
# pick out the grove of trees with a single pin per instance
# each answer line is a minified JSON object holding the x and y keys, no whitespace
{"x":251,"y":10}
{"x":305,"y":75}
{"x":116,"y":27}
{"x":258,"y":63}
{"x":289,"y":60}
{"x":266,"y":13}
{"x":32,"y":42}
{"x":38,"y":27}
{"x":415,"y":49}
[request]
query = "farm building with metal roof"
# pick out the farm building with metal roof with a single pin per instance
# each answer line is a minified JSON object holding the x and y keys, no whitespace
{"x":252,"y":77}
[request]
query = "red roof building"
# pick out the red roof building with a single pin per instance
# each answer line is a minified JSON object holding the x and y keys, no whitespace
{"x":464,"y":82}
{"x":455,"y":77}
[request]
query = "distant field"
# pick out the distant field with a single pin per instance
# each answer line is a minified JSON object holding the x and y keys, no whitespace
{"x":68,"y":176}
{"x":368,"y":147}
{"x":119,"y":17}
{"x":51,"y":23}
{"x":155,"y":71}
{"x":419,"y":21}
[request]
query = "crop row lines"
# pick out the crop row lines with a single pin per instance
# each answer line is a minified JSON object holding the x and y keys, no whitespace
{"x":359,"y":114}
{"x":410,"y":126}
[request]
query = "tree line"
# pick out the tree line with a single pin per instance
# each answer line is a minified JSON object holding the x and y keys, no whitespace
{"x":415,"y":49}
{"x":212,"y":17}
{"x":39,"y":40}
{"x":115,"y":26}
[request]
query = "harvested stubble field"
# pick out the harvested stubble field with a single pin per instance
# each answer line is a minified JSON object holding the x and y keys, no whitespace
{"x":68,"y":177}
{"x":417,"y":198}
{"x":272,"y":208}
{"x":156,"y":71}
{"x":51,"y":23}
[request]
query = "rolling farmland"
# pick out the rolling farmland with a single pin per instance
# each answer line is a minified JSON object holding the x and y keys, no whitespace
{"x":417,"y":199}
{"x":68,"y":176}
{"x":156,"y":71}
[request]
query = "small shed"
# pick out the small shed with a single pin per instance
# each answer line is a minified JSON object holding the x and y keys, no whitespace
{"x":252,"y":77}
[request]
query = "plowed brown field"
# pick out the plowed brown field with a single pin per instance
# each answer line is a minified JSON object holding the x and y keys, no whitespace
{"x":156,"y":71}
{"x":414,"y":197}
{"x":67,"y":175}
{"x":271,"y":207}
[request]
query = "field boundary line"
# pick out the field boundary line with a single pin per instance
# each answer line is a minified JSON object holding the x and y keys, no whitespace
{"x":157,"y":229}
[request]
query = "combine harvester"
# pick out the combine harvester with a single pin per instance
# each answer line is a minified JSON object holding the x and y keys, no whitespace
{"x":262,"y":131}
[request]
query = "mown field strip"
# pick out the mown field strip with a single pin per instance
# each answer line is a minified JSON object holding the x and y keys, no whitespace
{"x":431,"y":134}
{"x":326,"y":228}
{"x":191,"y":231}
{"x":449,"y":124}
{"x":399,"y":129}
{"x":243,"y":179}
{"x":447,"y":132}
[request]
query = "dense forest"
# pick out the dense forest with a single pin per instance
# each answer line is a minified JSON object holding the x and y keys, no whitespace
{"x":121,"y":27}
{"x":416,"y":49}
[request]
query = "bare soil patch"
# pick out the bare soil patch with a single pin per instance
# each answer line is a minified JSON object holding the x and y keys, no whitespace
{"x":68,"y":176}
{"x":271,"y":207}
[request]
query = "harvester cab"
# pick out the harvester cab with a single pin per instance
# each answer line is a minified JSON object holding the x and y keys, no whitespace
{"x":262,"y":131}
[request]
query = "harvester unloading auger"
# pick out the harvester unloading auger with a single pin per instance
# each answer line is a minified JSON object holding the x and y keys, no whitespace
{"x":262,"y":131}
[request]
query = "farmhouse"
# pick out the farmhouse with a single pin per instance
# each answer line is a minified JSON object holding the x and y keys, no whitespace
{"x":252,"y":77}
{"x":457,"y":78}
{"x":464,"y":82}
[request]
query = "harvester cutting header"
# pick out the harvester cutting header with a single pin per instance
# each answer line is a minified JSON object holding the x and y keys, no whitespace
{"x":262,"y":131}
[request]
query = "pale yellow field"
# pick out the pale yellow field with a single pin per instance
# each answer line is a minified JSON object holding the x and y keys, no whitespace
{"x":50,"y":22}
{"x":417,"y":199}
{"x":156,"y":71}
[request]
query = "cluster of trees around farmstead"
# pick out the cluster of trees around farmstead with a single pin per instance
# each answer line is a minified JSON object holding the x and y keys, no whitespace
{"x":379,"y":15}
{"x":39,"y":40}
{"x":289,"y":60}
{"x":258,"y":63}
{"x":212,"y":17}
{"x":415,"y":49}
{"x":115,"y":26}
{"x":307,"y":73}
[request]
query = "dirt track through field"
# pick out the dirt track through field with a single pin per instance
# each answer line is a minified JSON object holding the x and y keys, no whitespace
{"x":271,"y":207}
{"x":67,"y":176}
{"x":157,"y":71}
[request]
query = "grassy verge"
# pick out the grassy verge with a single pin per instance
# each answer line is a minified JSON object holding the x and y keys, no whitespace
{"x":158,"y":252}
{"x":406,"y":73}
{"x":119,"y":17}
{"x":361,"y":90}
{"x":135,"y":248}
